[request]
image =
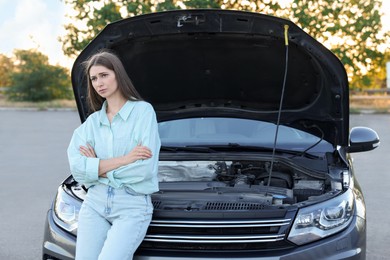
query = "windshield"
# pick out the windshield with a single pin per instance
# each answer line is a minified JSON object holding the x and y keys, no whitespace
{"x":224,"y":131}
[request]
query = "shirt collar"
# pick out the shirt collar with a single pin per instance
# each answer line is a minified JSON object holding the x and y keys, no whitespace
{"x":123,"y":113}
{"x":126,"y":109}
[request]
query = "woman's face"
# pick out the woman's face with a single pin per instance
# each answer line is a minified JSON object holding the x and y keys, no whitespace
{"x":104,"y":81}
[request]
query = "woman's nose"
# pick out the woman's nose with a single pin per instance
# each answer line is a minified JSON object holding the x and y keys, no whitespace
{"x":99,"y":81}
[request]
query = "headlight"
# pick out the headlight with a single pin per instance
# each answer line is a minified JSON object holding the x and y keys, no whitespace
{"x":66,"y":211}
{"x":324,"y":219}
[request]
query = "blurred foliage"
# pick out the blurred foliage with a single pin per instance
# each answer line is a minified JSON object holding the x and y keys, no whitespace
{"x":350,"y":28}
{"x":34,"y":79}
{"x":376,"y":77}
{"x":6,"y":67}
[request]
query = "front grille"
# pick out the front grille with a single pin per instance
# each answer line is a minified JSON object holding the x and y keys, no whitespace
{"x":240,"y":234}
{"x":156,"y":204}
{"x":233,"y":206}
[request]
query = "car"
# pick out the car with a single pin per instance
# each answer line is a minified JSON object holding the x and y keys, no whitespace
{"x":253,"y":116}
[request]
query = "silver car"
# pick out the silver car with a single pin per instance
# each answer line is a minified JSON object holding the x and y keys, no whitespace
{"x":254,"y":121}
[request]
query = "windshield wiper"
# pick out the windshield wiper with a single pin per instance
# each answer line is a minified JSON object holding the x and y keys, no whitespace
{"x":198,"y":149}
{"x":239,"y":147}
{"x":235,"y":147}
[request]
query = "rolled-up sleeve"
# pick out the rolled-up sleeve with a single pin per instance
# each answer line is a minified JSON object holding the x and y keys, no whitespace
{"x":84,"y":170}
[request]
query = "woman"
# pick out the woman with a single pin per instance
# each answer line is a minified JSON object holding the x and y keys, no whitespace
{"x":114,"y":153}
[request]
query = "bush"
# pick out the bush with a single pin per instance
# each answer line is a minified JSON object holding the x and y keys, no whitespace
{"x":34,"y":79}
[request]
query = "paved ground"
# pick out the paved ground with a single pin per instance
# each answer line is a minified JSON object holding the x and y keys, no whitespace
{"x":373,"y":171}
{"x":33,"y":162}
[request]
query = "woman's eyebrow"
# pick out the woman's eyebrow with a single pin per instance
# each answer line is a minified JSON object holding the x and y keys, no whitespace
{"x":99,"y":74}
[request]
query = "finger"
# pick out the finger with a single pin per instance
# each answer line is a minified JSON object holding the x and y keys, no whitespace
{"x":146,"y":155}
{"x":86,"y":152}
{"x":140,"y":155}
{"x":83,"y":150}
{"x":91,"y":150}
{"x":146,"y":151}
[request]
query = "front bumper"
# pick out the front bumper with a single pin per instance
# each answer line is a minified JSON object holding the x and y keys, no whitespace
{"x":349,"y":244}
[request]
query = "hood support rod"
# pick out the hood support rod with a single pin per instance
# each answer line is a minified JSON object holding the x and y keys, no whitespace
{"x":280,"y":106}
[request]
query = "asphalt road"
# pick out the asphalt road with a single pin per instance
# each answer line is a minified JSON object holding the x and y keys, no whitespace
{"x":33,"y":162}
{"x":373,"y":172}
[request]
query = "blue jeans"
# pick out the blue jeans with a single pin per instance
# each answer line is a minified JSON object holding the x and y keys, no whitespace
{"x":112,"y":223}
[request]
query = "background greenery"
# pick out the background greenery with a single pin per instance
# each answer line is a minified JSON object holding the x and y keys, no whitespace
{"x":32,"y":78}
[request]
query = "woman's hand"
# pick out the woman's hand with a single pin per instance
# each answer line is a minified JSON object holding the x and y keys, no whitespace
{"x":87,"y":151}
{"x":139,"y":153}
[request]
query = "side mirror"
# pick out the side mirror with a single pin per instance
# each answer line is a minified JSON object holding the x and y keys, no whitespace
{"x":362,"y":139}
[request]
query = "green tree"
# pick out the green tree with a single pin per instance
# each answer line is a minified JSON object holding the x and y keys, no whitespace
{"x":375,"y":77}
{"x":6,"y":68}
{"x":350,"y":28}
{"x":34,"y":79}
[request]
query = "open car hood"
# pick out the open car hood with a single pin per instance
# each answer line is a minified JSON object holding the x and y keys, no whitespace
{"x":200,"y":63}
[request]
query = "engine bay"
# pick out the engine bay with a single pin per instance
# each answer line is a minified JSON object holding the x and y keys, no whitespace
{"x":246,"y":181}
{"x":237,"y":185}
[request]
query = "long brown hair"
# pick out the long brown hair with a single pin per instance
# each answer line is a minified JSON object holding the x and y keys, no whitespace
{"x":112,"y":62}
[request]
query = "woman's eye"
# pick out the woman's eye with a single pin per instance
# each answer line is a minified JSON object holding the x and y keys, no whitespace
{"x":104,"y":75}
{"x":93,"y":79}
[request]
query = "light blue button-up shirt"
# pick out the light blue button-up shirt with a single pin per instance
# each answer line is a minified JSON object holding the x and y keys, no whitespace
{"x":134,"y":124}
